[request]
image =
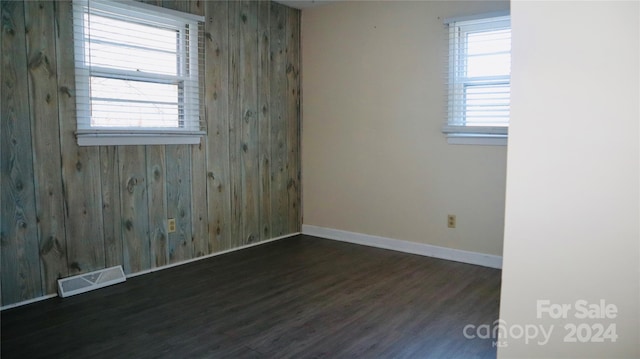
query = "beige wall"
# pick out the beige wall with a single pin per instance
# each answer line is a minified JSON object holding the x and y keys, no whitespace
{"x":374,"y":159}
{"x":572,"y":210}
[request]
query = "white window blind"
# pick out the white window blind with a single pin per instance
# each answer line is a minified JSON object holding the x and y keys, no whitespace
{"x":479,"y":77}
{"x":137,"y":74}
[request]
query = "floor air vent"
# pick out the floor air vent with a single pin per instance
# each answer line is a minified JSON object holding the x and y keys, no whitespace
{"x":89,"y":281}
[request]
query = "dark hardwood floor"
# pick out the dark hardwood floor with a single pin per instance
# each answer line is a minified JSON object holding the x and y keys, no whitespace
{"x":300,"y":297}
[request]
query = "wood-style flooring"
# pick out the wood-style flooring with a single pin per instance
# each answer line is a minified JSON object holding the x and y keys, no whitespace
{"x":299,"y":297}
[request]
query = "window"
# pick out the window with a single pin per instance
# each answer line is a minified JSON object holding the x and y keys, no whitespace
{"x":137,"y":74}
{"x":479,"y":80}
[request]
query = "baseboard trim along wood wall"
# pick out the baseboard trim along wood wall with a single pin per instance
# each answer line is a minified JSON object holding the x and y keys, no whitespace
{"x":211,"y":255}
{"x":49,"y":296}
{"x":457,"y":255}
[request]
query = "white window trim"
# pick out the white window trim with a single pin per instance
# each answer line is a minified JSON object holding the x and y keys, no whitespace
{"x":477,"y":139}
{"x":472,"y":135}
{"x":98,"y":136}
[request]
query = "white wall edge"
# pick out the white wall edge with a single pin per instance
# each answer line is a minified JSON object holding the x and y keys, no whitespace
{"x":49,"y":296}
{"x":457,"y":255}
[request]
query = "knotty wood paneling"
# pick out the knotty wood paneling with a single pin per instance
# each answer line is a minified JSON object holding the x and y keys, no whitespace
{"x":68,"y":209}
{"x":278,"y":101}
{"x":264,"y":118}
{"x":18,"y":234}
{"x":111,"y":209}
{"x":248,"y":129}
{"x":292,"y":122}
{"x":157,"y":198}
{"x":199,"y":231}
{"x":235,"y":118}
{"x":178,"y":182}
{"x":80,"y":170}
{"x":39,"y":18}
{"x":178,"y":178}
{"x":217,"y":116}
{"x":134,"y":208}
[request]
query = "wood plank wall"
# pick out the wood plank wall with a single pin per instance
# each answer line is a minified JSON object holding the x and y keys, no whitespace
{"x":67,"y":209}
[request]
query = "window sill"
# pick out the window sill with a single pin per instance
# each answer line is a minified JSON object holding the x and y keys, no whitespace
{"x":114,"y":139}
{"x":476,"y":139}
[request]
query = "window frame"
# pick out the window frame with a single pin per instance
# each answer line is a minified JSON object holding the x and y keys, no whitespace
{"x":455,"y":128}
{"x":189,"y":56}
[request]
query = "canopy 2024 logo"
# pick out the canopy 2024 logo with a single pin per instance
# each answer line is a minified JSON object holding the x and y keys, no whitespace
{"x":592,"y":325}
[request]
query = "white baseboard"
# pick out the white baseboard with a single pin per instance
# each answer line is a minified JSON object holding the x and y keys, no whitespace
{"x":48,"y":296}
{"x":481,"y":259}
{"x":210,"y":255}
{"x":28,"y":301}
